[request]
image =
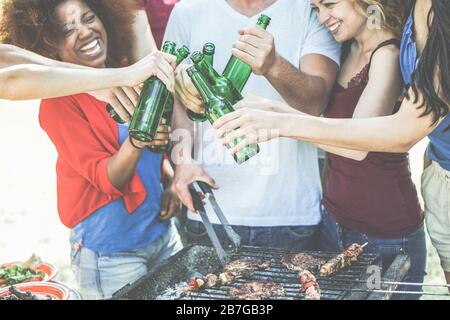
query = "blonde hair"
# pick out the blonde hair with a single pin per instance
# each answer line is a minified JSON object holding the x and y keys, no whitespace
{"x":392,"y":13}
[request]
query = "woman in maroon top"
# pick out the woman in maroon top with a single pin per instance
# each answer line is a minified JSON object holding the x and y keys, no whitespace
{"x":368,"y":197}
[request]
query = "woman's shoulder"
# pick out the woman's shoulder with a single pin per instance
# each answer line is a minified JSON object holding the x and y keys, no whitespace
{"x":385,"y":59}
{"x":67,"y":107}
{"x":390,"y":50}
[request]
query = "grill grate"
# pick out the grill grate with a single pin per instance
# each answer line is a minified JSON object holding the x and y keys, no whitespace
{"x":336,"y":287}
{"x":173,"y":275}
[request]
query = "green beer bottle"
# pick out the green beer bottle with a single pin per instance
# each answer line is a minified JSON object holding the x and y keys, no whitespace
{"x":182,"y":53}
{"x":150,"y":109}
{"x":238,"y":71}
{"x":113,"y":114}
{"x":215,"y":108}
{"x":209,"y":49}
{"x":221,"y":85}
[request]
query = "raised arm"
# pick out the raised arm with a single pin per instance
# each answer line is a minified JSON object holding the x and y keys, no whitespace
{"x":394,"y":133}
{"x":305,"y":88}
{"x":26,"y":75}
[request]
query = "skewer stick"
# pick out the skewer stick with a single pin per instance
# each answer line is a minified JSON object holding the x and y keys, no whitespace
{"x":364,"y":245}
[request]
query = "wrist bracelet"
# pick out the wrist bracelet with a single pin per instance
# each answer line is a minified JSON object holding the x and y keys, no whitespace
{"x":132,"y":143}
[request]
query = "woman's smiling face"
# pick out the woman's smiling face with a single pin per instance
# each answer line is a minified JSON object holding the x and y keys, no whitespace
{"x":340,"y":17}
{"x":83,"y":38}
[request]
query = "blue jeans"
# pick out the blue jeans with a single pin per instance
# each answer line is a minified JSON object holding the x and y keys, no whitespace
{"x":334,"y":237}
{"x":99,"y":275}
{"x":298,"y":238}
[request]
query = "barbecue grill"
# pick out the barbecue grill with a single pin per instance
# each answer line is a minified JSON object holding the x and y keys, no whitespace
{"x":169,"y":280}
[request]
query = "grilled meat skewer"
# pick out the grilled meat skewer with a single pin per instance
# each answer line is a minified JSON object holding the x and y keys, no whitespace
{"x":342,"y":260}
{"x":234,"y":270}
{"x":211,"y":280}
{"x":226,"y":278}
{"x":310,"y":287}
{"x":195,"y":285}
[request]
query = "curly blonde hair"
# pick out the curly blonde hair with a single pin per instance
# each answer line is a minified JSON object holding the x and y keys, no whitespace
{"x":393,"y":13}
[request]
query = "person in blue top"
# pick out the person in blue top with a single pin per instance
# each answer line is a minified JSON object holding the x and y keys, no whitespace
{"x":424,"y":58}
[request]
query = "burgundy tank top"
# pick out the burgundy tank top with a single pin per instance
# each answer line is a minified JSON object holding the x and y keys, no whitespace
{"x":376,"y":196}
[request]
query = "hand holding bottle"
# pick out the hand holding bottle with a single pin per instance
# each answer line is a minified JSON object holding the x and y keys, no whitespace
{"x":256,"y":47}
{"x":251,"y":122}
{"x":157,"y":64}
{"x":186,"y":92}
{"x":122,"y":99}
{"x":162,"y":137}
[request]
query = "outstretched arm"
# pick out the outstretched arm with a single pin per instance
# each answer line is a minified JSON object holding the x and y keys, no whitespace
{"x":394,"y":133}
{"x":54,"y":79}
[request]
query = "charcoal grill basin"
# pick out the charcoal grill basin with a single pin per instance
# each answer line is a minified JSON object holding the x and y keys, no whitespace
{"x":187,"y":263}
{"x":170,"y":277}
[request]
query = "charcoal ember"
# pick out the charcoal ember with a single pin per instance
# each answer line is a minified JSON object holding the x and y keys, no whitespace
{"x":212,"y":280}
{"x":302,"y":261}
{"x":257,"y":291}
{"x":246,"y":266}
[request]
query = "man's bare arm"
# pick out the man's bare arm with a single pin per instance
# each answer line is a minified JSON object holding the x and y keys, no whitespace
{"x":305,"y":88}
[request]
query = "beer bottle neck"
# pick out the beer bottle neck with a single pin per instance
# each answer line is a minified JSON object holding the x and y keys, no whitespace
{"x":207,"y":70}
{"x":169,"y":47}
{"x":182,"y":53}
{"x":202,"y":86}
{"x":209,"y":50}
{"x":181,"y":57}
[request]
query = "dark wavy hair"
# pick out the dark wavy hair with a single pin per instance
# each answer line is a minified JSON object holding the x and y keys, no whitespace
{"x":32,"y":24}
{"x":435,"y":60}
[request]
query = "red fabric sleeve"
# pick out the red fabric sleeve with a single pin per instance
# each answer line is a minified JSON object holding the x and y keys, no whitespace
{"x":85,"y":143}
{"x":76,"y":143}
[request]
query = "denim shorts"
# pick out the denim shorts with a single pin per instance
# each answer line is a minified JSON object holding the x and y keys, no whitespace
{"x":290,"y":237}
{"x":99,"y":275}
{"x":335,"y":238}
{"x":436,"y":195}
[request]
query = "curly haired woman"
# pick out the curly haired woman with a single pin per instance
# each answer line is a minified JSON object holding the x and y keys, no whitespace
{"x":26,"y":75}
{"x":109,"y":186}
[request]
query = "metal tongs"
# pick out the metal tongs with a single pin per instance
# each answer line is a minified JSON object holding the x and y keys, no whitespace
{"x":195,"y":189}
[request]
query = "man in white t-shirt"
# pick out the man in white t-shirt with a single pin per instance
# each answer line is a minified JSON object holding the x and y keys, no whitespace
{"x":272,"y":200}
